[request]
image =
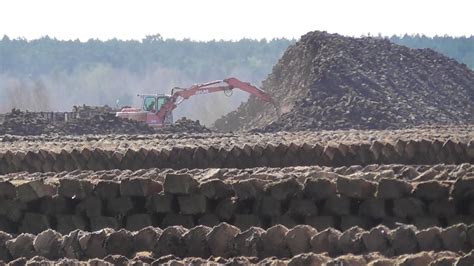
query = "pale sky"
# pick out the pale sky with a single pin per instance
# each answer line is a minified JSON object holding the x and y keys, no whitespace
{"x":231,"y":20}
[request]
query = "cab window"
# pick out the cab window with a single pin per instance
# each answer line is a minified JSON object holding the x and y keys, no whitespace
{"x":161,"y":101}
{"x":149,"y":104}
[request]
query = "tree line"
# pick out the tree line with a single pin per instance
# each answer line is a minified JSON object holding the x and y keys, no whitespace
{"x":459,"y":48}
{"x":21,"y":57}
{"x":46,"y":55}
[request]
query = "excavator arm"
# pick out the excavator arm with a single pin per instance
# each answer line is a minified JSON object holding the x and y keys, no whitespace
{"x":179,"y":94}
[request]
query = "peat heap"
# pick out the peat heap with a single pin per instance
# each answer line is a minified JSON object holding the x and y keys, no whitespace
{"x":18,"y":122}
{"x":328,"y":81}
{"x":88,"y":110}
{"x":105,"y":123}
{"x":184,"y":125}
{"x":88,"y":120}
{"x":22,"y":123}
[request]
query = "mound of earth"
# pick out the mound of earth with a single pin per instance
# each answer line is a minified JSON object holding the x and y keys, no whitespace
{"x":88,"y":120}
{"x":18,"y":122}
{"x":328,"y":81}
{"x":184,"y":125}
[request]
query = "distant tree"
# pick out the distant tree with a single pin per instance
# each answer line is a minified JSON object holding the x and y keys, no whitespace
{"x":459,"y":48}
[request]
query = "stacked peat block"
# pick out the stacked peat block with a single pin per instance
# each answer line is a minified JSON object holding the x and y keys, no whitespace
{"x":268,"y":155}
{"x":322,"y":200}
{"x":372,"y":172}
{"x":227,"y":241}
{"x":442,"y":133}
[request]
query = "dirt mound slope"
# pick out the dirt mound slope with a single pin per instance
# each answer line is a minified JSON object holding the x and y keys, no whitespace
{"x":327,"y":81}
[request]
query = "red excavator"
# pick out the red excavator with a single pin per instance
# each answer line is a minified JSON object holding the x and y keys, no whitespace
{"x":157,"y":109}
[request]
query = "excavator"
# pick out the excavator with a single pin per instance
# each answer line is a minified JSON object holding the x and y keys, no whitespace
{"x":157,"y":109}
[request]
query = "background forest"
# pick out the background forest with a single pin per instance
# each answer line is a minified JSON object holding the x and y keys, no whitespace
{"x":49,"y":74}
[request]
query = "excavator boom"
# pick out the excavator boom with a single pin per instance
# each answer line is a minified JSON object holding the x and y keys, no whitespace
{"x":231,"y":83}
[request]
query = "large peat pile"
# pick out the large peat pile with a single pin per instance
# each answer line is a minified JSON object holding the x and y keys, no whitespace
{"x":327,"y":81}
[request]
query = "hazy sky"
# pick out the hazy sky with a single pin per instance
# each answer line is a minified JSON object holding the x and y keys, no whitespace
{"x":221,"y":19}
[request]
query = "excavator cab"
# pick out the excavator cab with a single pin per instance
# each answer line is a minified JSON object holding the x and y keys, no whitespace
{"x":152,"y":103}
